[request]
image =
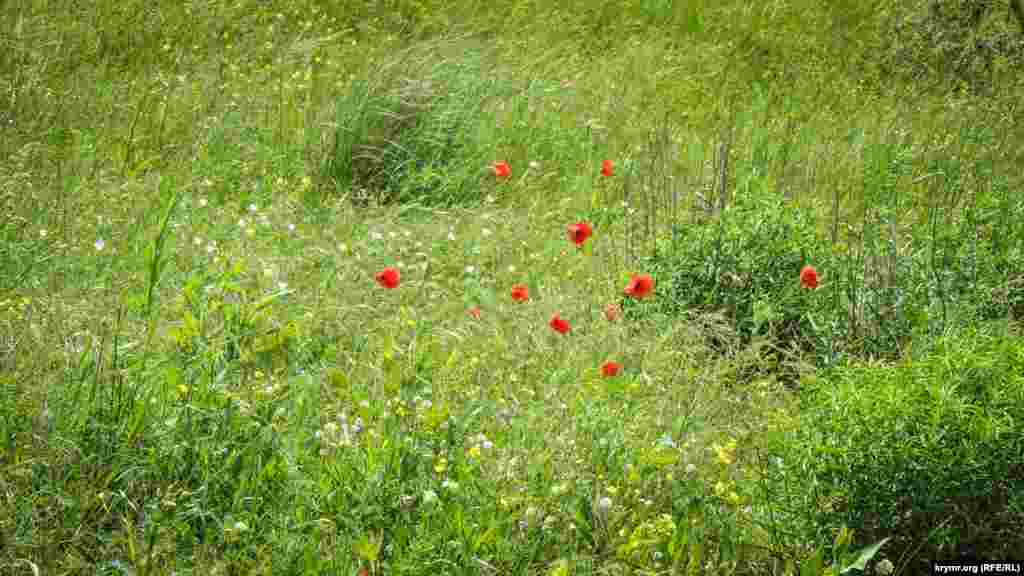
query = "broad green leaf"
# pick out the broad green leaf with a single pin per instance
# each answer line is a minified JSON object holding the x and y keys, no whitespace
{"x":865,"y":556}
{"x":813,"y":565}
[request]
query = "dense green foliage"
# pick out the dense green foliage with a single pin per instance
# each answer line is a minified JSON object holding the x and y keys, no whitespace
{"x":200,"y":374}
{"x":926,"y":451}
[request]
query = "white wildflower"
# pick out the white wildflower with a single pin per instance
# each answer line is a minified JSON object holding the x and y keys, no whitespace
{"x":603,"y":506}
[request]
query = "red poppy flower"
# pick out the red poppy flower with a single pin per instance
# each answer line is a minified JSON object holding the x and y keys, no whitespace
{"x":474,"y":312}
{"x":809,"y":277}
{"x":606,"y":167}
{"x":520,"y":292}
{"x":363,"y":572}
{"x":640,"y":286}
{"x":610,"y":368}
{"x":612,"y":312}
{"x":502,"y":169}
{"x":388,"y":277}
{"x":580,"y":231}
{"x":558,"y":324}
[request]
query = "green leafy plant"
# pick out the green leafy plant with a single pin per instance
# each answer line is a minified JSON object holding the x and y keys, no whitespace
{"x":844,"y":561}
{"x":889,"y":447}
{"x":745,"y":265}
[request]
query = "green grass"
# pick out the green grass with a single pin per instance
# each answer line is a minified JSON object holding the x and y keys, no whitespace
{"x":199,"y":374}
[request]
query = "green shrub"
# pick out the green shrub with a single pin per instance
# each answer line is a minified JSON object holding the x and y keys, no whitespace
{"x":745,"y":265}
{"x":928,"y":452}
{"x":904,"y":274}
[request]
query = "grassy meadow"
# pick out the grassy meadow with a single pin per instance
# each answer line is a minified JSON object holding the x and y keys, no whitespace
{"x":205,"y":369}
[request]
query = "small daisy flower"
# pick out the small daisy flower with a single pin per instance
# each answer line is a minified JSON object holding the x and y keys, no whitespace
{"x":252,"y":207}
{"x":99,"y":244}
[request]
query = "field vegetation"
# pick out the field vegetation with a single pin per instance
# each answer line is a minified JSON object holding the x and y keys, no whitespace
{"x":442,"y":287}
